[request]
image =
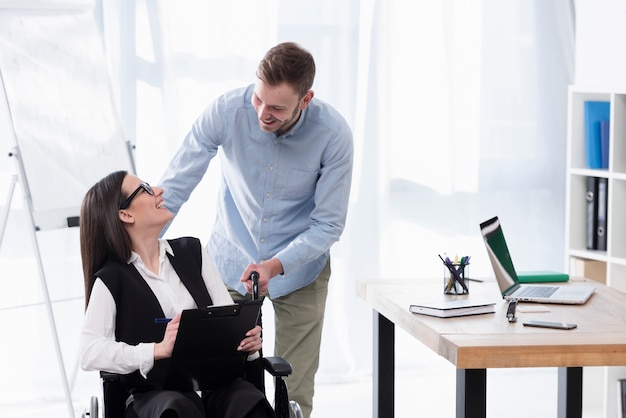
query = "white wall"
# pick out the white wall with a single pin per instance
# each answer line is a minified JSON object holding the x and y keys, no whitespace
{"x":601,"y":43}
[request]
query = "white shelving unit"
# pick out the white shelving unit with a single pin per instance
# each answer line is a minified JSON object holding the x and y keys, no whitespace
{"x":612,"y":262}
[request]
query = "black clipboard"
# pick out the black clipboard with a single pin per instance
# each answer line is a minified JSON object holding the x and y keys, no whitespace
{"x":205,"y":354}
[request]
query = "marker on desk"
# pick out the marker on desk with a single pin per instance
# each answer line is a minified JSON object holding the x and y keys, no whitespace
{"x":162,"y":320}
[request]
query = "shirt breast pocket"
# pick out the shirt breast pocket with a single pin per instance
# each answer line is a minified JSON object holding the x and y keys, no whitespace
{"x":300,"y":184}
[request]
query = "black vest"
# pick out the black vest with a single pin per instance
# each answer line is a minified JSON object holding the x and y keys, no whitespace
{"x":137,"y":307}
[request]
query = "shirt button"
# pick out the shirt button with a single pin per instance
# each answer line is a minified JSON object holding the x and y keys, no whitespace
{"x":271,"y":168}
{"x":262,"y":239}
{"x":275,"y":141}
{"x":267,"y":194}
{"x":264,"y":219}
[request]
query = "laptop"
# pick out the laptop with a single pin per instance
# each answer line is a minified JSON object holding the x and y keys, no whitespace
{"x":205,"y":353}
{"x":508,"y":281}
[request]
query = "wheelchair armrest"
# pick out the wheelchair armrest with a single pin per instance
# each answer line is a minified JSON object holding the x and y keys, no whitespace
{"x":276,"y":366}
{"x":109,"y":376}
{"x":114,"y":394}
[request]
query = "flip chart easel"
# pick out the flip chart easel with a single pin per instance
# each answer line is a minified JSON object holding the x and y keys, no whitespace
{"x":59,"y":107}
{"x":42,"y":275}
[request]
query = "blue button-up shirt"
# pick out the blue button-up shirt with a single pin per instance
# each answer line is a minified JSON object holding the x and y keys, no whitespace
{"x":280,"y":196}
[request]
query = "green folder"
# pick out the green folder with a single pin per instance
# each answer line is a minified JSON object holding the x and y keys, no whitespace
{"x":542,"y":276}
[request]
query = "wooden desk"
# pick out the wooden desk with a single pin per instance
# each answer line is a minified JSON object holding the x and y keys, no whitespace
{"x":476,"y":343}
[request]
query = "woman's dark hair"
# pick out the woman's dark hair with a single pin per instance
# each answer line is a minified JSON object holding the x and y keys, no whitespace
{"x":102,"y":235}
{"x":289,"y":63}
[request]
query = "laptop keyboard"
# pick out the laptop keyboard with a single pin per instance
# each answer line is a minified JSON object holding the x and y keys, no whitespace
{"x":536,"y":291}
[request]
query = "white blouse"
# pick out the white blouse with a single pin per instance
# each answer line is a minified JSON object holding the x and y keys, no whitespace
{"x":98,"y":348}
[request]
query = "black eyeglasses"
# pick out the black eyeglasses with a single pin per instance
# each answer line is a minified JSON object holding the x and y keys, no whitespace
{"x":145,"y":186}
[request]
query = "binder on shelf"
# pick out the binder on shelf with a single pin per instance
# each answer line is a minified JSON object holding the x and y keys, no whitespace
{"x":597,"y":202}
{"x":604,"y":143}
{"x":595,"y":112}
{"x":592,"y":213}
{"x":602,"y":201}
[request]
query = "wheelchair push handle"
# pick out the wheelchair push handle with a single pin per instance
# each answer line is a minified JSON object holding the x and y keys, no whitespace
{"x":254,"y":276}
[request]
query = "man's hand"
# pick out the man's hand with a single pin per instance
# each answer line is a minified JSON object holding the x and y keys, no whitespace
{"x":267,"y":269}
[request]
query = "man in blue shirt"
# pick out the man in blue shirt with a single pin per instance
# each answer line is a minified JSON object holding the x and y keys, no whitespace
{"x":286,"y":168}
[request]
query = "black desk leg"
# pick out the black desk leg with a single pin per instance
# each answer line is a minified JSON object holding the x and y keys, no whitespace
{"x":471,"y":393}
{"x":384,"y":363}
{"x":570,"y":395}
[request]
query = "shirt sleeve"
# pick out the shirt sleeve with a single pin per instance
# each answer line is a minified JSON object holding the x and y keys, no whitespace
{"x":213,"y":282}
{"x":97,"y":346}
{"x":191,"y":161}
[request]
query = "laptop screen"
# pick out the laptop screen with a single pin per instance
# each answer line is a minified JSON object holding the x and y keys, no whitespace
{"x":499,"y":254}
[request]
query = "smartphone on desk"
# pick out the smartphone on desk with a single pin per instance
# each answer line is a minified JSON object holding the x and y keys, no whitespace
{"x":548,"y":324}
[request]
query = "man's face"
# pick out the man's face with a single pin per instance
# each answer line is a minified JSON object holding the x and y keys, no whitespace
{"x":278,"y":107}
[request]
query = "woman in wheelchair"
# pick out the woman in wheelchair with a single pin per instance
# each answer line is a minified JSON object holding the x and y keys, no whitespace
{"x":132,"y":277}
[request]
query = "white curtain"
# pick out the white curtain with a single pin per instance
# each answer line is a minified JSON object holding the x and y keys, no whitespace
{"x":458,"y":111}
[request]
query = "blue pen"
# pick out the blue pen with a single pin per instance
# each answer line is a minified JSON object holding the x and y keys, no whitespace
{"x":162,"y":320}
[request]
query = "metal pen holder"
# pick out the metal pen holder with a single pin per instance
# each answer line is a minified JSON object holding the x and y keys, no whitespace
{"x":455,"y":278}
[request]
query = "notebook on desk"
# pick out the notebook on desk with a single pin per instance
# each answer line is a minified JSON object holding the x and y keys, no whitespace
{"x":508,"y":281}
{"x":205,"y":353}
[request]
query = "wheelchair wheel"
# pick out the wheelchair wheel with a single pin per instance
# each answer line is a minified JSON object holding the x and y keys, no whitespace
{"x":294,"y":410}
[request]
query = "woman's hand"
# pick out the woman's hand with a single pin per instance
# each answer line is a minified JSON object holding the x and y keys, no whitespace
{"x":253,"y":341}
{"x":164,"y":348}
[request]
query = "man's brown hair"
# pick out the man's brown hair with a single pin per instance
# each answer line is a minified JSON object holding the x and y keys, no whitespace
{"x":288,"y":62}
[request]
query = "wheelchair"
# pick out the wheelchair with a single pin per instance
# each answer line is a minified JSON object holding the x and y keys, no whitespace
{"x":115,"y":394}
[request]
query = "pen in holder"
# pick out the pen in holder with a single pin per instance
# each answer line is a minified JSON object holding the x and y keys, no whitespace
{"x":455,"y":276}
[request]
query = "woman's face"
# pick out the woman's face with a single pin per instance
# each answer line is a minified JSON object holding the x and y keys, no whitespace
{"x":146,"y":203}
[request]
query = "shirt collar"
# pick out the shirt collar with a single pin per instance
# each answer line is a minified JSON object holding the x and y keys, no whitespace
{"x":297,"y":125}
{"x":164,"y":246}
